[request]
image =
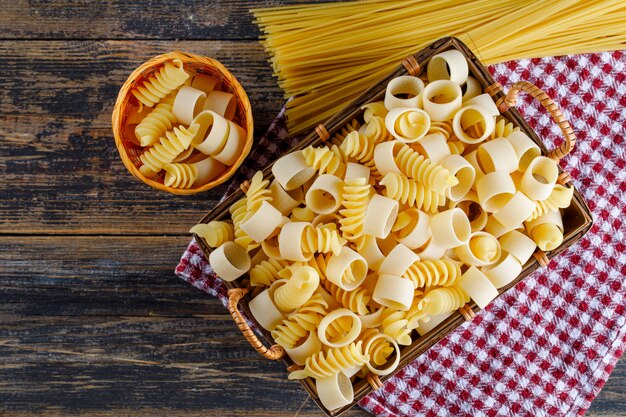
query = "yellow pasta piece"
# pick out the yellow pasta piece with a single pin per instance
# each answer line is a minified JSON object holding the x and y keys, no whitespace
{"x":165,"y":80}
{"x":186,"y":175}
{"x":442,"y":127}
{"x":215,"y":233}
{"x":433,"y":272}
{"x":339,"y":137}
{"x":379,"y":350}
{"x":169,"y":147}
{"x":301,"y":322}
{"x":266,"y":272}
{"x":435,"y":177}
{"x":503,"y":128}
{"x":302,"y":214}
{"x":156,"y":123}
{"x":237,"y":212}
{"x":355,"y":199}
{"x":358,"y":147}
{"x":375,"y":130}
{"x":332,"y":361}
{"x":321,"y":240}
{"x":296,"y":291}
{"x":443,"y":300}
{"x":325,"y":160}
{"x":547,"y":236}
{"x":258,"y":192}
{"x":560,"y":197}
{"x":395,"y":324}
{"x":409,"y":192}
{"x":456,"y":147}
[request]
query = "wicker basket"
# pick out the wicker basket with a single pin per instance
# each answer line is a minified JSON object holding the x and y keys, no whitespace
{"x":130,"y":152}
{"x":576,"y":219}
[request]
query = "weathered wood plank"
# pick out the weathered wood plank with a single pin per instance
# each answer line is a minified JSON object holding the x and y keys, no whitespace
{"x":114,"y":19}
{"x":101,"y":326}
{"x":61,"y":172}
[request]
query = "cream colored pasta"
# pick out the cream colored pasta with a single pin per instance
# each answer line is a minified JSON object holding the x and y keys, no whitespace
{"x":473,"y":124}
{"x":213,"y":132}
{"x":371,"y":252}
{"x":486,"y":102}
{"x":441,"y":99}
{"x":260,"y":224}
{"x":504,"y":272}
{"x":354,"y":171}
{"x":205,"y":82}
{"x":422,"y":169}
{"x":230,"y":261}
{"x":374,"y":109}
{"x":214,"y":233}
{"x":425,"y":326}
{"x":235,"y":142}
{"x":472,"y":159}
{"x":497,"y":155}
{"x":428,"y":273}
{"x":547,"y":230}
{"x":355,"y":200}
{"x":379,"y":347}
{"x":325,"y":195}
{"x":515,"y":211}
{"x":431,"y":250}
{"x":334,"y":391}
{"x":285,"y":201}
{"x":325,"y":160}
{"x":344,"y":338}
{"x":412,"y":228}
{"x":472,"y":89}
{"x":448,"y":65}
{"x":302,"y":214}
{"x":398,"y":261}
{"x":494,"y":190}
{"x":347,"y":269}
{"x":188,"y":175}
{"x":291,"y":171}
{"x":478,"y":287}
{"x":482,"y":249}
{"x":332,"y":361}
{"x":450,"y":228}
{"x":301,"y":323}
{"x":394,"y":292}
{"x":309,"y":347}
{"x":407,"y":86}
{"x":222,"y":103}
{"x":407,"y":124}
{"x":150,"y":128}
{"x":463,"y":172}
{"x":289,"y":242}
{"x":474,"y":211}
{"x":187,"y":104}
{"x":407,"y":191}
{"x":293,"y":293}
{"x":434,"y":147}
{"x":518,"y":244}
{"x":372,"y":320}
{"x":385,"y":157}
{"x":375,"y":130}
{"x":265,"y":311}
{"x":525,"y":148}
{"x":497,"y":229}
{"x":169,"y":147}
{"x":539,"y":178}
{"x":380,"y":216}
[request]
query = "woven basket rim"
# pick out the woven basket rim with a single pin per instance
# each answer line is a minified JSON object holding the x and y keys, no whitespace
{"x":123,"y":101}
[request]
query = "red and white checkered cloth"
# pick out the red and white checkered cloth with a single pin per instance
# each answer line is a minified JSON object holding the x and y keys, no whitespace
{"x":547,"y":346}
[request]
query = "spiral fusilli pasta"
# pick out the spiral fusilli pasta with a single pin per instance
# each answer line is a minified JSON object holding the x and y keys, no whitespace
{"x":169,"y":147}
{"x":237,"y":213}
{"x":325,"y":160}
{"x":338,"y":137}
{"x":301,"y":322}
{"x":395,"y":324}
{"x":380,"y":349}
{"x":215,"y":233}
{"x":258,"y":192}
{"x":168,"y":78}
{"x":321,"y":239}
{"x":435,"y":177}
{"x":298,"y":289}
{"x":156,"y":123}
{"x":443,"y":300}
{"x":560,"y":197}
{"x":266,"y":272}
{"x":428,"y":273}
{"x":456,"y":147}
{"x":302,"y":214}
{"x":503,"y":128}
{"x":407,"y":191}
{"x":332,"y":361}
{"x":355,"y":198}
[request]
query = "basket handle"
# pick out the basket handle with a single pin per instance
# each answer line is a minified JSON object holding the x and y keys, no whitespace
{"x":504,"y":103}
{"x":275,"y":352}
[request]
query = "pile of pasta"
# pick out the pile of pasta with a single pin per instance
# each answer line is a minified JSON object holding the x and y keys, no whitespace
{"x":364,"y":244}
{"x":184,"y":123}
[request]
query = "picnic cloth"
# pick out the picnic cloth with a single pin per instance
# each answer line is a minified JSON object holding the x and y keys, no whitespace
{"x":548,"y":345}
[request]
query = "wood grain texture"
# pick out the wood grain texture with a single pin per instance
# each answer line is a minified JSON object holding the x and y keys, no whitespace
{"x":61,"y":171}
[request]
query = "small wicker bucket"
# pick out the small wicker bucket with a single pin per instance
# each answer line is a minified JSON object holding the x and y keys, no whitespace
{"x":130,"y":152}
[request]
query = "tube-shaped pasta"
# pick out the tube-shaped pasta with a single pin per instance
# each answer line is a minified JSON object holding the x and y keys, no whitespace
{"x":434,"y":176}
{"x":293,"y":293}
{"x":165,"y":80}
{"x":332,"y":361}
{"x":266,"y":272}
{"x":428,"y":273}
{"x":325,"y":160}
{"x":301,"y":322}
{"x":215,"y":233}
{"x":156,"y":123}
{"x":169,"y":147}
{"x":406,"y":191}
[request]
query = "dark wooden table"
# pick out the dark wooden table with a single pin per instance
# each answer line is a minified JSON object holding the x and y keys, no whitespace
{"x":92,"y":319}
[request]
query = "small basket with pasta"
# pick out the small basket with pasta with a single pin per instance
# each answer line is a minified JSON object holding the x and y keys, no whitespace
{"x":182,"y":123}
{"x":392,"y":223}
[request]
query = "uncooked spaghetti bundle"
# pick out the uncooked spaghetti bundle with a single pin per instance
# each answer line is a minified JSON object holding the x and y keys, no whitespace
{"x":325,"y":55}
